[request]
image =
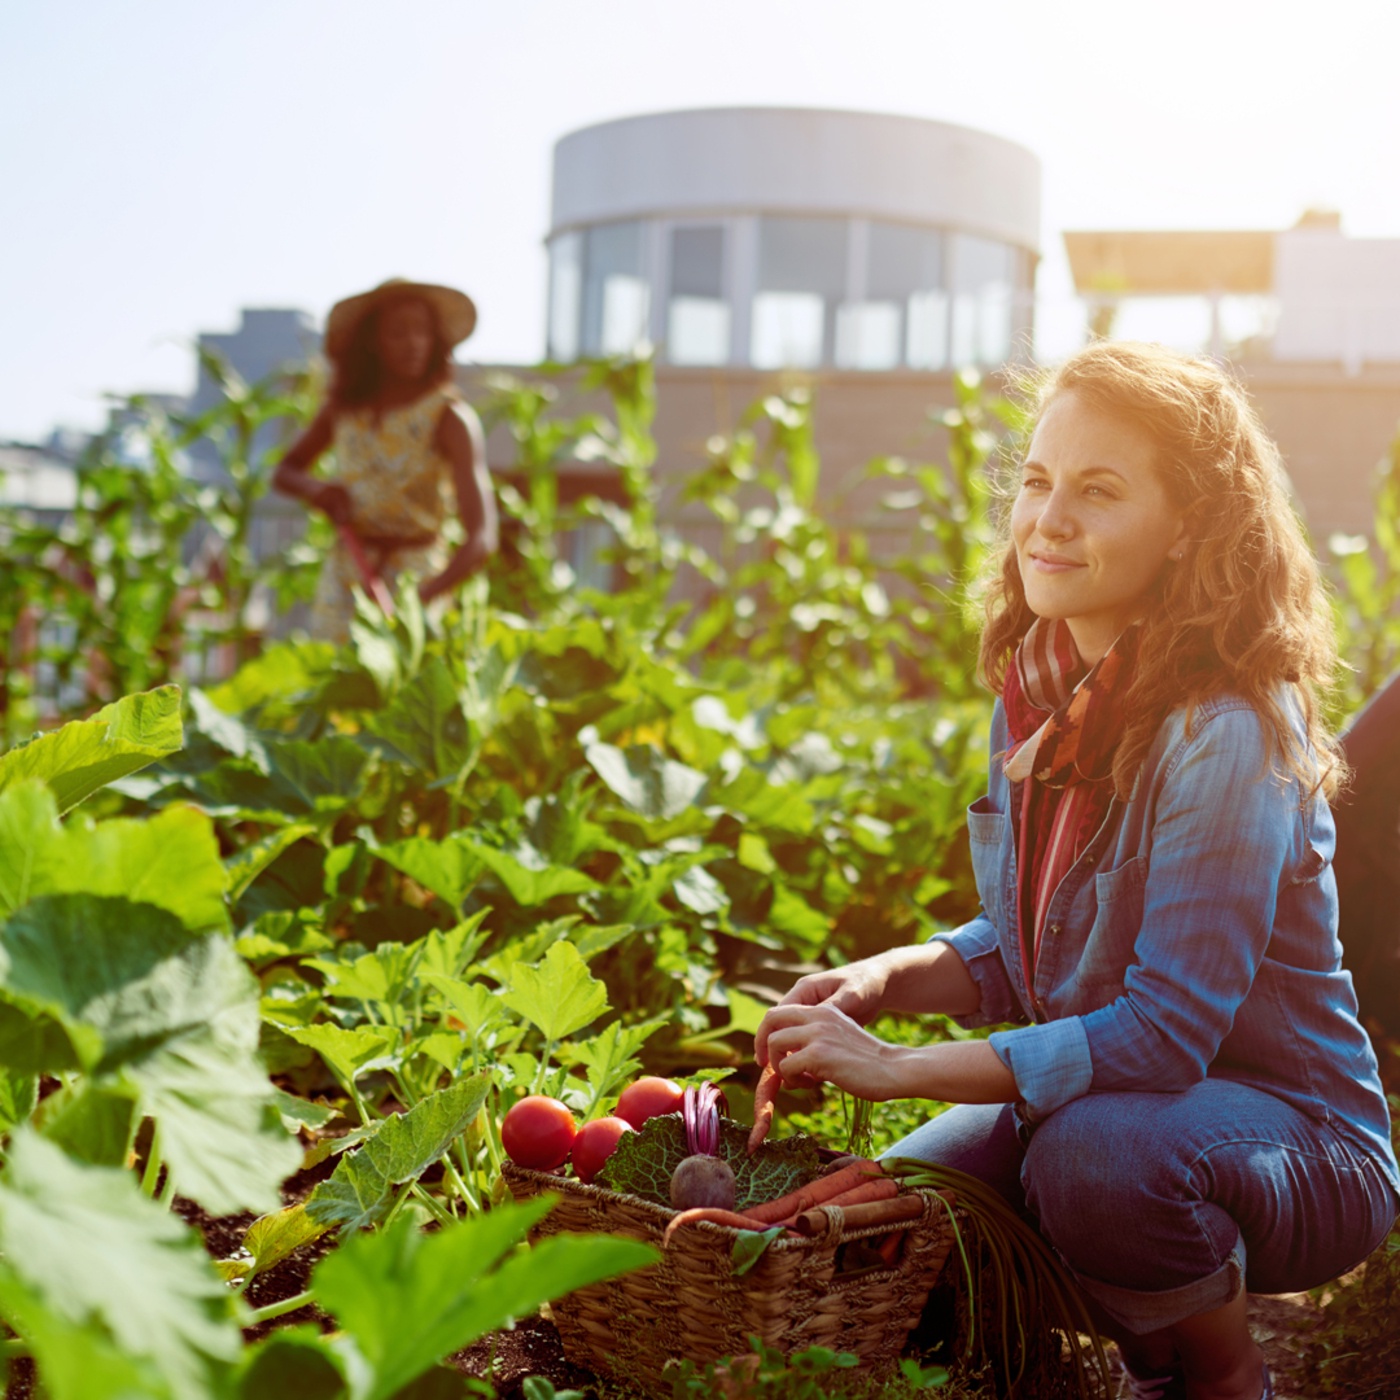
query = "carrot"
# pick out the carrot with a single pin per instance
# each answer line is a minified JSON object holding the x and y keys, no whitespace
{"x":765,"y":1099}
{"x":861,"y":1216}
{"x":890,"y":1248}
{"x":816,"y":1192}
{"x":881,"y":1188}
{"x":714,"y":1216}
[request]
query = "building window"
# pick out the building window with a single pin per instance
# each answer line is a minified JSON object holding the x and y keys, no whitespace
{"x":903,"y":316}
{"x":697,"y":314}
{"x":984,"y":300}
{"x":565,"y":293}
{"x":616,"y":298}
{"x":801,"y":282}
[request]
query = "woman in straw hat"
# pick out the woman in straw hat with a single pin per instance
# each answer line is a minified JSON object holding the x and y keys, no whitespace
{"x":405,"y":445}
{"x":1186,"y":1103}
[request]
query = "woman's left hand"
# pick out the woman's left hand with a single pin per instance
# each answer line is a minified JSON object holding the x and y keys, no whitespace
{"x":821,"y":1044}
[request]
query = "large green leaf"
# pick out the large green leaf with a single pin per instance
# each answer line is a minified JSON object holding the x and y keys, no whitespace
{"x":648,"y":782}
{"x":478,"y":1007}
{"x":361,"y":1189}
{"x":176,"y":1016}
{"x":84,"y":755}
{"x":248,"y":862}
{"x":170,"y":860}
{"x":448,"y":868}
{"x":75,"y":1360}
{"x":225,"y":730}
{"x":425,"y":723}
{"x":558,"y":994}
{"x":529,"y":877}
{"x":294,"y":1363}
{"x":94,"y":1122}
{"x":322,"y":777}
{"x":406,"y":1299}
{"x":92,"y":1248}
{"x":284,"y":671}
{"x":347,"y":1050}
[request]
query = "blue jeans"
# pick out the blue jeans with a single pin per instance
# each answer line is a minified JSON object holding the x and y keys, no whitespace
{"x":1164,"y":1205}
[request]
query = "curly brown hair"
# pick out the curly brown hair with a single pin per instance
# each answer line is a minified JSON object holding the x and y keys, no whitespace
{"x":1245,"y":611}
{"x":358,"y":376}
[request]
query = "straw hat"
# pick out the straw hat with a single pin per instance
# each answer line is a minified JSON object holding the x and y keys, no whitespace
{"x":455,"y":311}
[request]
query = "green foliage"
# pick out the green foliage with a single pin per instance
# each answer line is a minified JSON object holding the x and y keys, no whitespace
{"x":407,"y":1299}
{"x":361,"y":1191}
{"x":155,"y":570}
{"x":814,"y":1374}
{"x":1366,"y":600}
{"x":119,"y":739}
{"x":91,"y":1264}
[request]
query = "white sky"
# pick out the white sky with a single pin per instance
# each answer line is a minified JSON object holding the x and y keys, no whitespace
{"x":164,"y":163}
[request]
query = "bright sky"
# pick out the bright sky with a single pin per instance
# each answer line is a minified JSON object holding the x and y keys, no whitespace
{"x":163,"y":163}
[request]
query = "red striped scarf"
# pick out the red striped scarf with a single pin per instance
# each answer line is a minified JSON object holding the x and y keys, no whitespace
{"x":1065,"y":725}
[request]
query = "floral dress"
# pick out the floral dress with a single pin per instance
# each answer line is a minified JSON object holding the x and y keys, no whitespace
{"x":402,"y":492}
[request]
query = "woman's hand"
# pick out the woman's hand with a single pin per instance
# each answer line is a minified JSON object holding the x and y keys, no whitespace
{"x":334,"y":500}
{"x":823,"y":1045}
{"x":858,"y":989}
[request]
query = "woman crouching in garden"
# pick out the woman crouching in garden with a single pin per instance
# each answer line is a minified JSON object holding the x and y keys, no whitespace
{"x":1188,"y":1107}
{"x":406,"y":444}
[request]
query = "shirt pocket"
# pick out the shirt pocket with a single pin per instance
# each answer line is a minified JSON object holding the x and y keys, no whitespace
{"x":1108,"y":951}
{"x":986,"y":833}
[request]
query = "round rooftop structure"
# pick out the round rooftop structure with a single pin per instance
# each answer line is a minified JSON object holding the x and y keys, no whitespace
{"x":780,"y":237}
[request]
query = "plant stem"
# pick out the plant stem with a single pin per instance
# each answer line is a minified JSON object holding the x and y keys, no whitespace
{"x":274,"y":1310}
{"x":421,"y":1193}
{"x":460,"y":1184}
{"x":152,"y":1172}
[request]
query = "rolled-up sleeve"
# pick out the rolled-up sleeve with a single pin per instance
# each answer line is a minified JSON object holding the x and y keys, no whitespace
{"x":1050,"y":1063}
{"x":976,"y":943}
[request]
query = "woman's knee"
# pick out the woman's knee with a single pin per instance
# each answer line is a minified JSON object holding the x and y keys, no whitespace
{"x":1116,"y":1200}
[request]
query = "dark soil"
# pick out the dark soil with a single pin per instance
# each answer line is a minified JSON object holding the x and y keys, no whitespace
{"x":531,"y":1349}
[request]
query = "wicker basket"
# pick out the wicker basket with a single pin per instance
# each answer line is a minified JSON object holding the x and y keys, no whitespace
{"x":801,"y":1293}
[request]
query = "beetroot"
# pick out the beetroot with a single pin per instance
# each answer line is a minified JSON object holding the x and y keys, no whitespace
{"x":703,"y":1181}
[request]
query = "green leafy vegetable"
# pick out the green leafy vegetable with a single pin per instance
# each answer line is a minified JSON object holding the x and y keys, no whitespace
{"x":89,"y":1246}
{"x":361,"y":1190}
{"x":84,"y":755}
{"x":644,"y":1162}
{"x":406,"y":1299}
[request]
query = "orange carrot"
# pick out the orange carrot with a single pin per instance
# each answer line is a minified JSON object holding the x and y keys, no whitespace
{"x":880,"y":1189}
{"x":890,"y":1248}
{"x":816,"y":1192}
{"x":714,"y":1216}
{"x":765,"y":1098}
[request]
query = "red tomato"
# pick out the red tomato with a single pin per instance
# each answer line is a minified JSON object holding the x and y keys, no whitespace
{"x":647,"y":1098}
{"x":538,"y":1132}
{"x":594,"y":1145}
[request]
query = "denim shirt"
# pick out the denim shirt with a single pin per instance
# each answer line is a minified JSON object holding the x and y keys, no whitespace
{"x":1195,"y":936}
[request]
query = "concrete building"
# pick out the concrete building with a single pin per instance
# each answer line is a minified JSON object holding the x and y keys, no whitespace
{"x":792,"y":239}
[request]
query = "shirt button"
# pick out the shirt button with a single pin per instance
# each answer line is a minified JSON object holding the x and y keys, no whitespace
{"x":1054,"y":928}
{"x":1089,"y":860}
